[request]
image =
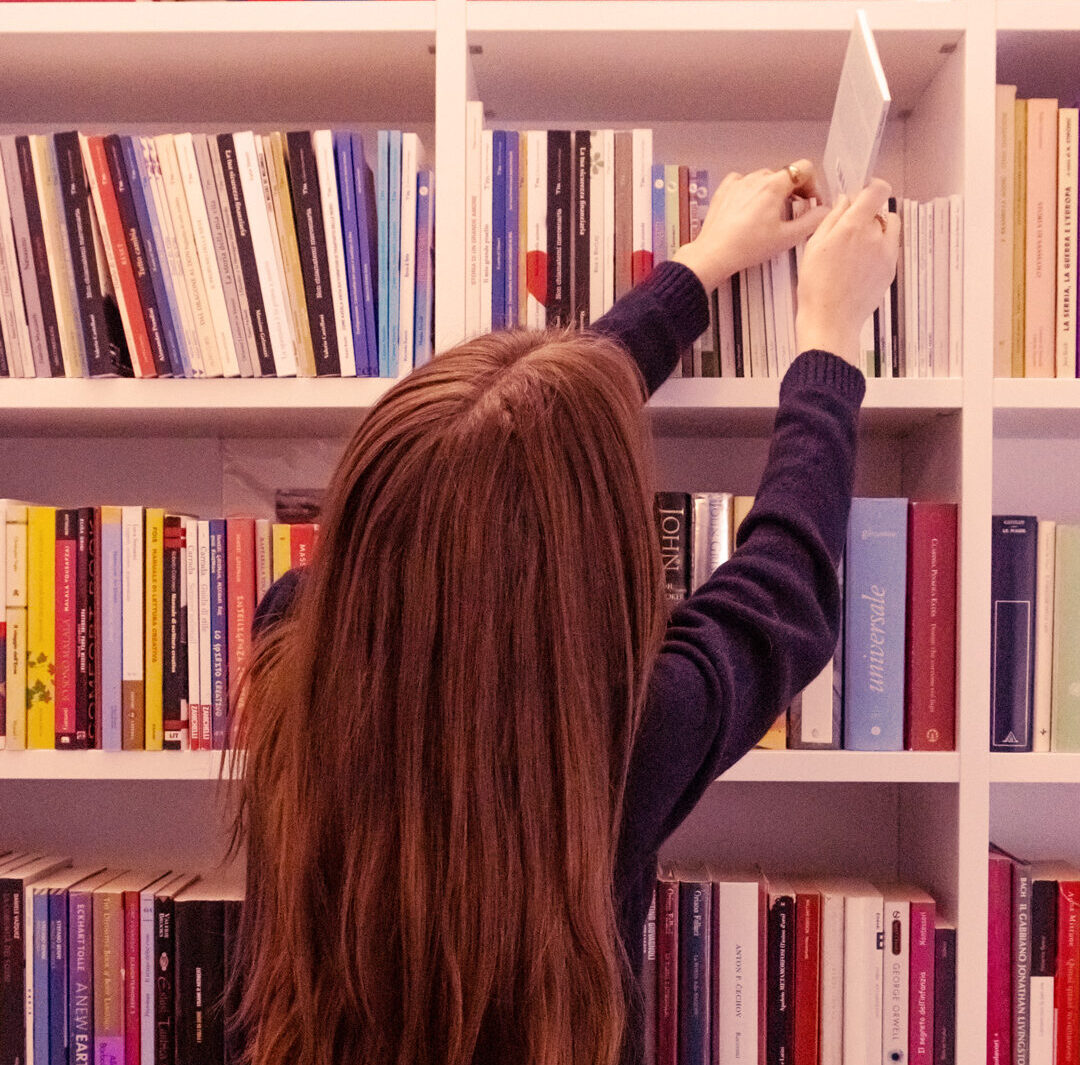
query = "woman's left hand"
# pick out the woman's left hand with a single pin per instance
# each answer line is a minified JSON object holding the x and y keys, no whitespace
{"x":745,"y":224}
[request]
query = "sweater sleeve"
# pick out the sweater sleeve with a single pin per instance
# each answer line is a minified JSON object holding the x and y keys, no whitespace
{"x":766,"y":622}
{"x":657,"y":319}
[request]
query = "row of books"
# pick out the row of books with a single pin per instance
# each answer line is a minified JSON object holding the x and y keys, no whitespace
{"x":124,"y":626}
{"x":1035,"y":207}
{"x":1033,"y":975}
{"x":748,"y":969}
{"x":237,"y":255}
{"x":892,"y":683}
{"x":105,"y":965}
{"x":562,"y":223}
{"x":1035,"y":633}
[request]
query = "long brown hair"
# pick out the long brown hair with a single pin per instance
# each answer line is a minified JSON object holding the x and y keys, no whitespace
{"x":438,"y":735}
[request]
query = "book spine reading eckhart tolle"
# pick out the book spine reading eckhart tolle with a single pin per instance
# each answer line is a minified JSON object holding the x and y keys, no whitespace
{"x":875,"y":600}
{"x":672,"y":512}
{"x":931,"y":628}
{"x":1012,"y":631}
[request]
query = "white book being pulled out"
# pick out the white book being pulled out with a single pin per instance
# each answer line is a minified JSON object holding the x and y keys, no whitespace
{"x":859,"y":114}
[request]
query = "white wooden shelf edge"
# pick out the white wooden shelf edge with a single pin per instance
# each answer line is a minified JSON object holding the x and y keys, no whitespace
{"x":1038,"y":15}
{"x":1026,"y":393}
{"x":1053,"y":768}
{"x":847,"y":767}
{"x":110,"y":765}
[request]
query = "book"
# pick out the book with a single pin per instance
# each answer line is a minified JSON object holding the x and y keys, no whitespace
{"x":133,"y":690}
{"x":673,"y":527}
{"x":487,"y":212}
{"x":863,"y":972}
{"x":559,"y":208}
{"x":110,"y":611}
{"x":64,"y":628}
{"x":648,"y":979}
{"x":807,"y":980}
{"x":1012,"y":621}
{"x":1039,"y":266}
{"x":641,"y":261}
{"x":1004,"y":220}
{"x":780,"y":974}
{"x":412,"y":159}
{"x":582,"y":217}
{"x":999,"y":964}
{"x":41,"y":627}
{"x":367,"y":225}
{"x":831,"y":1033}
{"x":474,"y":123}
{"x":1065,"y":703}
{"x":536,"y":248}
{"x":424,"y":324}
{"x":624,"y":205}
{"x":874,"y":622}
{"x":739,"y":967}
{"x":350,"y":244}
{"x":695,"y":970}
{"x":667,"y":969}
{"x":944,"y":995}
{"x":240,"y":586}
{"x":921,"y":979}
{"x":152,"y":624}
{"x":930,"y":691}
{"x":1043,"y":680}
{"x":1043,"y":967}
{"x":393,"y":248}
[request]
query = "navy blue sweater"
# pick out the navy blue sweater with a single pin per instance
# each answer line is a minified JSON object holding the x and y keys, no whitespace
{"x":760,"y":629}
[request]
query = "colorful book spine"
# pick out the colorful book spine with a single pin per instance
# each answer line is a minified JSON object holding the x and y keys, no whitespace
{"x":66,"y":652}
{"x":487,"y":181}
{"x":498,"y":230}
{"x":108,"y":1017}
{"x":194,"y":665}
{"x":153,"y":626}
{"x":1067,"y":979}
{"x":667,"y":972}
{"x":1020,"y":962}
{"x":382,"y":206}
{"x":695,"y":997}
{"x":87,"y":554}
{"x":343,"y":158}
{"x":41,"y":627}
{"x":80,"y":979}
{"x":393,"y":260}
{"x":648,"y":980}
{"x":895,"y":1020}
{"x":110,"y":682}
{"x":424,"y":325}
{"x":930,"y":723}
{"x":219,"y":635}
{"x":874,"y":623}
{"x":1012,"y":631}
{"x":174,"y":653}
{"x":133,"y":687}
{"x":57,"y":1011}
{"x":366,"y":226}
{"x":39,"y":1034}
{"x":921,"y":984}
{"x":206,"y":659}
{"x":240,"y":546}
{"x":807,"y":982}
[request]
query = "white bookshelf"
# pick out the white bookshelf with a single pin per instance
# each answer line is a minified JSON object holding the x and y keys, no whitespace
{"x":730,"y":84}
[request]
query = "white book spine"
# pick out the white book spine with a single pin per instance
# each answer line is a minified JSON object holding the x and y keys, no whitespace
{"x":768,"y":303}
{"x":816,"y":718}
{"x":641,"y":163}
{"x":598,"y":165}
{"x":609,"y":219}
{"x":12,"y":316}
{"x":699,"y":540}
{"x":896,"y":982}
{"x":262,"y":151}
{"x":911,"y":287}
{"x":726,"y":324}
{"x":223,"y":262}
{"x":831,"y":1032}
{"x":322,"y":143}
{"x":191,"y":592}
{"x":1004,"y":224}
{"x":537,"y":219}
{"x":755,"y":295}
{"x":719,"y":529}
{"x":925,"y":268}
{"x":189,"y":256}
{"x":487,"y":177}
{"x":474,"y":125}
{"x":410,"y":163}
{"x":205,"y":255}
{"x":171,"y":258}
{"x":942,"y":270}
{"x":1065,"y":363}
{"x":956,"y":285}
{"x":205,"y":660}
{"x":147,"y":982}
{"x":1041,"y":1033}
{"x":1044,"y":633}
{"x":783,"y":304}
{"x":131,"y":539}
{"x":737,"y":972}
{"x":862,"y":978}
{"x":270,"y":281}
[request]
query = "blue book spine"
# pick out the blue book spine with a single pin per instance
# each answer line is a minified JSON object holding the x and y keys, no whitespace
{"x":423,"y":327}
{"x":58,"y":978}
{"x":80,"y":977}
{"x":874,"y":625}
{"x":40,"y":977}
{"x":393,"y":267}
{"x":112,"y":637}
{"x":1013,"y":556}
{"x":140,"y":179}
{"x":219,"y":636}
{"x":498,"y":231}
{"x":382,"y":201}
{"x":695,"y":936}
{"x":659,"y":215}
{"x":343,"y":158}
{"x":510,"y":232}
{"x":369,"y":251}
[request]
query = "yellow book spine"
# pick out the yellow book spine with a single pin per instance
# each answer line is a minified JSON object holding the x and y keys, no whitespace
{"x":155,"y":610}
{"x":1019,"y":293}
{"x":776,"y":738}
{"x":282,"y":549}
{"x":15,"y":679}
{"x":41,"y":628}
{"x":740,"y":507}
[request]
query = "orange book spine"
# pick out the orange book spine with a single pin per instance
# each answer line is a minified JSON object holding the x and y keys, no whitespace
{"x":240,"y":552}
{"x":302,"y":540}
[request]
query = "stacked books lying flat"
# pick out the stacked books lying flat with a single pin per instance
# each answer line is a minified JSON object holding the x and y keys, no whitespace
{"x":1035,"y":635}
{"x":105,"y":965}
{"x":562,"y":223}
{"x":892,"y":683}
{"x":1035,"y":227}
{"x":124,"y":625}
{"x":750,"y":969}
{"x":1033,"y":975}
{"x":236,"y":255}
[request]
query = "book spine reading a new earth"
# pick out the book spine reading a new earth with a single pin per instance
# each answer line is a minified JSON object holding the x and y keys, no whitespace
{"x":237,"y":255}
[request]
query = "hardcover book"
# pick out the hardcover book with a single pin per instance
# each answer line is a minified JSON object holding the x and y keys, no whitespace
{"x":1065,"y":707}
{"x":673,"y":527}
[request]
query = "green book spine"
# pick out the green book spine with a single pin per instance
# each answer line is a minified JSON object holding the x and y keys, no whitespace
{"x":1065,"y":705}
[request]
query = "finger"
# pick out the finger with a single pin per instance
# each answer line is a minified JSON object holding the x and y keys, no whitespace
{"x":870,"y":201}
{"x":836,"y":212}
{"x":796,"y":179}
{"x":800,"y":228}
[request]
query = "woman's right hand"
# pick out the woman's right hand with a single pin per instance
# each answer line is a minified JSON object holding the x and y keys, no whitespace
{"x":849,"y":262}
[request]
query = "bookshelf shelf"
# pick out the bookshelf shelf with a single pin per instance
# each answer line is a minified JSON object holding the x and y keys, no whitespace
{"x":109,"y":765}
{"x":1053,"y":768}
{"x":846,"y":767}
{"x":1037,"y":408}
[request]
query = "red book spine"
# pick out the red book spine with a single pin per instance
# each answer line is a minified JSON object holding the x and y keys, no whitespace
{"x":240,"y":550}
{"x":921,"y":997}
{"x":930,"y":698}
{"x":684,"y":205}
{"x":113,"y":232}
{"x":807,"y":976}
{"x":132,"y":990}
{"x":667,"y":972}
{"x":763,"y":969}
{"x":303,"y":543}
{"x":66,"y":647}
{"x":98,"y":643}
{"x":999,"y":962}
{"x":1067,"y":979}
